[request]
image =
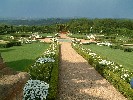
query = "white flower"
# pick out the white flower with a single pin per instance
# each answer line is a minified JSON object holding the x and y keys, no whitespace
{"x":35,"y":89}
{"x":116,"y":67}
{"x":125,"y":75}
{"x":92,"y":54}
{"x":105,"y":62}
{"x":44,"y":60}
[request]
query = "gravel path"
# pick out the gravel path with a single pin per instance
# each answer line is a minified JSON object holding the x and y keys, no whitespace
{"x":79,"y":81}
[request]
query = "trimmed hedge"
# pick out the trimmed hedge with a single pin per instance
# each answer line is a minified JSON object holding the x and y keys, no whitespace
{"x":47,"y":72}
{"x":126,"y":49}
{"x":20,"y":35}
{"x":53,"y":89}
{"x":113,"y":77}
{"x":114,"y":46}
{"x":10,"y":44}
{"x":3,"y":45}
{"x":119,"y":84}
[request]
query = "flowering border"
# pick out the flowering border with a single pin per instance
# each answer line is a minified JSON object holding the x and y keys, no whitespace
{"x":45,"y":72}
{"x":116,"y":74}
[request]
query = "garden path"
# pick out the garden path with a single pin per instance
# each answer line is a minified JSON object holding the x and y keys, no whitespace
{"x":79,"y":81}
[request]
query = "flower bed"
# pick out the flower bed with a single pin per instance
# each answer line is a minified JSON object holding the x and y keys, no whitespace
{"x":45,"y":71}
{"x":114,"y":73}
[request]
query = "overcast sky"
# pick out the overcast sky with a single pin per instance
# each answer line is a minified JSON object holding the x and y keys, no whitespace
{"x":66,"y":8}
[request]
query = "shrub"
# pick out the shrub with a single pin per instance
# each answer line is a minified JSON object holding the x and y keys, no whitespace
{"x":3,"y":45}
{"x":54,"y":80}
{"x":45,"y":69}
{"x":25,"y":35}
{"x":119,"y":84}
{"x":114,"y":46}
{"x":110,"y":37}
{"x":16,"y":35}
{"x":13,"y":43}
{"x":128,"y":49}
{"x":10,"y":44}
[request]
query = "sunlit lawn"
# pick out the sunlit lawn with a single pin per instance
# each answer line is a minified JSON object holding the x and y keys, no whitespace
{"x":116,"y":55}
{"x":47,"y":34}
{"x":19,"y":57}
{"x":80,"y":36}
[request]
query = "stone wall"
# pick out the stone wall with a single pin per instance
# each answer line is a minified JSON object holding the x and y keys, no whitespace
{"x":11,"y":82}
{"x":2,"y":65}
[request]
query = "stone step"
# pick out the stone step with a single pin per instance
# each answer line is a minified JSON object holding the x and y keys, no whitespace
{"x":7,"y":71}
{"x":2,"y":65}
{"x":12,"y":85}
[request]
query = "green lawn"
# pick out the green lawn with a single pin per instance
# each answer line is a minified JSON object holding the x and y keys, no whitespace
{"x":79,"y":36}
{"x":122,"y":38}
{"x":19,"y":57}
{"x":4,"y":36}
{"x":116,"y":55}
{"x":47,"y":34}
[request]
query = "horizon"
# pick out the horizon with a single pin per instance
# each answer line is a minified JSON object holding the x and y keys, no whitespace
{"x":28,"y":18}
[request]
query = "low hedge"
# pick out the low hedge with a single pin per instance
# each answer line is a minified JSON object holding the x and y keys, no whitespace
{"x":126,"y":49}
{"x":119,"y":84}
{"x":14,"y":43}
{"x":3,"y":45}
{"x":10,"y":44}
{"x":113,"y":77}
{"x":53,"y":89}
{"x":20,"y":35}
{"x":114,"y":46}
{"x":47,"y":71}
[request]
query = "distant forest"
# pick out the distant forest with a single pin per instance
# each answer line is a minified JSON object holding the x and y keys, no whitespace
{"x":77,"y":25}
{"x":48,"y":21}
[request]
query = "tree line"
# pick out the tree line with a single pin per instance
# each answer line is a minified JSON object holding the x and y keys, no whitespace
{"x":104,"y":26}
{"x":77,"y":25}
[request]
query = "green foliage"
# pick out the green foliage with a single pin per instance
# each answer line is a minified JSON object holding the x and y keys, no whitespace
{"x":122,"y":27}
{"x":43,"y":73}
{"x":78,"y":36}
{"x":47,"y":34}
{"x":114,"y":46}
{"x":3,"y":45}
{"x":10,"y":44}
{"x":127,"y":49}
{"x":53,"y":90}
{"x":47,"y":71}
{"x":109,"y":37}
{"x":21,"y":35}
{"x":119,"y":84}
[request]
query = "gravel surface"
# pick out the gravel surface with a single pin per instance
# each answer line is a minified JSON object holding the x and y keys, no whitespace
{"x":79,"y":81}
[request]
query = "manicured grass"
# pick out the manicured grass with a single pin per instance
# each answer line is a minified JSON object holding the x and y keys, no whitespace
{"x":4,"y":36}
{"x":47,"y":34}
{"x":116,"y":55}
{"x":20,"y":57}
{"x":79,"y":36}
{"x":122,"y":38}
